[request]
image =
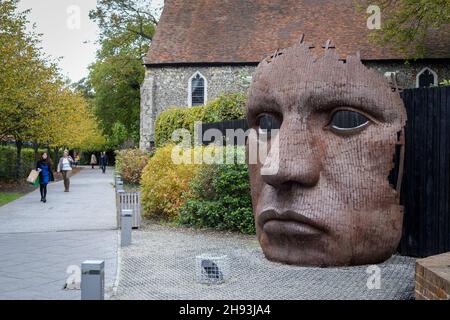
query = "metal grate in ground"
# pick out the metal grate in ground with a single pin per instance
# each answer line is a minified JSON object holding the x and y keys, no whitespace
{"x":161,"y":264}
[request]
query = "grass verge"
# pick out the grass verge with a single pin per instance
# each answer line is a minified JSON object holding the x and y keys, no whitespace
{"x":6,"y":197}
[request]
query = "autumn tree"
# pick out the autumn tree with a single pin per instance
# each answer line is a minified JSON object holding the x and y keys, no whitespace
{"x":78,"y":125}
{"x":36,"y":104}
{"x":127,"y":28}
{"x":134,"y":18}
{"x":24,"y":69}
{"x":406,"y":24}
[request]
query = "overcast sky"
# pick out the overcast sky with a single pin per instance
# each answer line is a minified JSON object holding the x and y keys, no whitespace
{"x":66,"y":33}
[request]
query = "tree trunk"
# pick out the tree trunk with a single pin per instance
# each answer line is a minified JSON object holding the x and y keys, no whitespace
{"x":56,"y":150}
{"x":18,"y":160}
{"x":36,"y":151}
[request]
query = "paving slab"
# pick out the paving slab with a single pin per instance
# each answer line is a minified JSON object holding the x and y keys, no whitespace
{"x":90,"y":205}
{"x":38,"y":241}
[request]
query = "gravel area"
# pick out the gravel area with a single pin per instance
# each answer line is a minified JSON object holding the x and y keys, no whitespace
{"x":161,"y":264}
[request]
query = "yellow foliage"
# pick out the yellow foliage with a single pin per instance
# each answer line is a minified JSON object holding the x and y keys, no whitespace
{"x":130,"y":163}
{"x":163,"y":184}
{"x":35,"y":103}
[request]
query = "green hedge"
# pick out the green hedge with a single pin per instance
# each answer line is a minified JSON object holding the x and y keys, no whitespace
{"x":229,"y":106}
{"x":176,"y":118}
{"x":219,"y":198}
{"x":8,"y":162}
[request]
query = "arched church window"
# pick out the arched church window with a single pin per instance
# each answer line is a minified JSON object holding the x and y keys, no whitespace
{"x":197,"y":90}
{"x":426,"y":78}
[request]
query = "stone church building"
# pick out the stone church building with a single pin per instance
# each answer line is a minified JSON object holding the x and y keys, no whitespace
{"x":206,"y":47}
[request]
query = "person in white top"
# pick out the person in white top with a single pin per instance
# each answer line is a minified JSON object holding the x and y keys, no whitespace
{"x":65,"y":166}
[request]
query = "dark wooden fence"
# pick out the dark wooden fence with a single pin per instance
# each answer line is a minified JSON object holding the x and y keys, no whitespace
{"x":223,"y":127}
{"x":426,"y":176}
{"x":426,"y":179}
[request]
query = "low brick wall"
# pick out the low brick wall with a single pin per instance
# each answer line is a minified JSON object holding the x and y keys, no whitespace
{"x":433,"y":277}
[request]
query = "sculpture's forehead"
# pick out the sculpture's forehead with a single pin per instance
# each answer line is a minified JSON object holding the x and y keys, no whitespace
{"x":297,"y":79}
{"x":310,"y":95}
{"x":293,"y":71}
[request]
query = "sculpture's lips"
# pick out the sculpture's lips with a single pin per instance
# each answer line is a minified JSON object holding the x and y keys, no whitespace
{"x":288,"y":222}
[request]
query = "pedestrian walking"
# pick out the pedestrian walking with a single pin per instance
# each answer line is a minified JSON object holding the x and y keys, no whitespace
{"x":44,"y":167}
{"x":77,"y":160}
{"x":93,"y":160}
{"x":103,"y":161}
{"x":65,"y":167}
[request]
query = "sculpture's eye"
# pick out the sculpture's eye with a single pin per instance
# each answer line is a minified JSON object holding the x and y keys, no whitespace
{"x":347,"y":121}
{"x":267,"y":122}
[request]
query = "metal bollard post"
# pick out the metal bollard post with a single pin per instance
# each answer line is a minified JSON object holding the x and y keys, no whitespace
{"x":93,"y":280}
{"x":126,"y":225}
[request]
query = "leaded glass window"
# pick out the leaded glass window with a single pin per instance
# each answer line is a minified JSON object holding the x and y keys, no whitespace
{"x":198,"y":90}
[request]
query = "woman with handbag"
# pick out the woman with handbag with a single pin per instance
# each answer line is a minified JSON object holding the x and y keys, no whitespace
{"x":44,"y":167}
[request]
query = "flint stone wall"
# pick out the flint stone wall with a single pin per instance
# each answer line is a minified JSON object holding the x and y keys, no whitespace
{"x":164,"y":87}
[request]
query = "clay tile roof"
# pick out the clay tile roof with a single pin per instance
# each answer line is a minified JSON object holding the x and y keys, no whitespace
{"x":246,"y":31}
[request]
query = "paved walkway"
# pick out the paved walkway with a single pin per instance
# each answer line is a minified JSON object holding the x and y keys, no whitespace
{"x":38,"y":241}
{"x":161,"y":264}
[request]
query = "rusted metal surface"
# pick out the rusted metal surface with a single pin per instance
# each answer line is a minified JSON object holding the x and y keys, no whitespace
{"x":330,"y":202}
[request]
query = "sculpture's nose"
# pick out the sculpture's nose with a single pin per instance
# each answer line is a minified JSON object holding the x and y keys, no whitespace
{"x":298,"y":157}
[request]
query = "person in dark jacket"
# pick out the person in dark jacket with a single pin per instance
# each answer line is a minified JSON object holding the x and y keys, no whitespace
{"x":103,"y":161}
{"x":44,"y":166}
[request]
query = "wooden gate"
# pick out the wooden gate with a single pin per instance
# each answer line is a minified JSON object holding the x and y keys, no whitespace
{"x":426,"y":179}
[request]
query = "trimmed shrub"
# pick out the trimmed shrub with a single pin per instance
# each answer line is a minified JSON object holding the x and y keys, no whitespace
{"x":8,"y":156}
{"x":130,"y":163}
{"x":229,"y":106}
{"x":226,"y":107}
{"x":219,"y":197}
{"x":171,"y":118}
{"x":163,"y":184}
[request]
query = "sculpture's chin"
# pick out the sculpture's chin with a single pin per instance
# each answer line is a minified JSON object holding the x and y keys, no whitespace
{"x":318,"y":250}
{"x":313,"y":258}
{"x":297,"y":249}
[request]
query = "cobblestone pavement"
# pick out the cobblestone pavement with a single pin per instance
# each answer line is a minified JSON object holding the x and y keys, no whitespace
{"x":38,"y":241}
{"x":161,"y":264}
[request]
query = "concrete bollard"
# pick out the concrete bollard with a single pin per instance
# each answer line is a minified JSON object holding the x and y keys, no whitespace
{"x":119,"y":186}
{"x":126,"y":225}
{"x":119,"y":192}
{"x":93,"y":280}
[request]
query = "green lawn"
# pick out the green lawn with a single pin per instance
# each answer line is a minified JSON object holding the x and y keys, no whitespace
{"x":8,"y":197}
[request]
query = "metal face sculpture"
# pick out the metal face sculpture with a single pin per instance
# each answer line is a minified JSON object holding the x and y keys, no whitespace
{"x":330,"y":202}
